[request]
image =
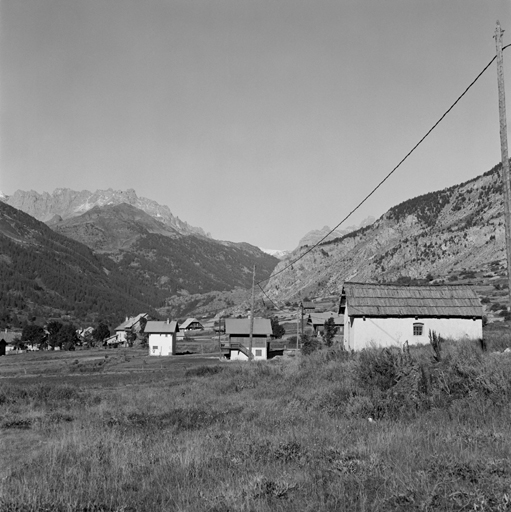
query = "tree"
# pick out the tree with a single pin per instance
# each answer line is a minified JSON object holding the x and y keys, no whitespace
{"x":53,"y":327}
{"x":101,"y":332}
{"x":330,"y":330}
{"x":278,"y":330}
{"x":34,"y":334}
{"x":67,"y":337}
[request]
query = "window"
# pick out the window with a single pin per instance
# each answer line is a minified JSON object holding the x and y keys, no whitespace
{"x":418,"y":329}
{"x":259,"y":352}
{"x":155,"y":349}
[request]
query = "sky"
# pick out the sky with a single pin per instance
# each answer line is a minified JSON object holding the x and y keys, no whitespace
{"x":257,"y":120}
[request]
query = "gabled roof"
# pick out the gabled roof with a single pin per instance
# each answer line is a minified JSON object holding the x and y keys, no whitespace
{"x":241,"y":326}
{"x":384,"y":300}
{"x":321,"y":318}
{"x":188,"y":321}
{"x":130,"y":322}
{"x":161,"y":327}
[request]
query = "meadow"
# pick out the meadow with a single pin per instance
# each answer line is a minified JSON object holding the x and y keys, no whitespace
{"x":332,"y":431}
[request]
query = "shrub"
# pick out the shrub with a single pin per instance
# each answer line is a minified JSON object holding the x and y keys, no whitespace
{"x":309,"y":344}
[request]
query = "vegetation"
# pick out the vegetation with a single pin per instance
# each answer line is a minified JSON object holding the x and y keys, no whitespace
{"x":376,"y":430}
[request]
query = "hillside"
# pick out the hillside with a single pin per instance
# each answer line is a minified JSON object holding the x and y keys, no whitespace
{"x":43,"y":273}
{"x":455,"y":229}
{"x":64,"y":203}
{"x":161,"y":261}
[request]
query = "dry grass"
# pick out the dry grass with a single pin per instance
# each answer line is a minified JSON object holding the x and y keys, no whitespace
{"x":283,"y":435}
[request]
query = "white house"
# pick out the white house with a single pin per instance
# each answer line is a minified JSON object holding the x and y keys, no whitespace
{"x":238,"y":333}
{"x":161,"y":337}
{"x":131,"y":324}
{"x":383,"y":315}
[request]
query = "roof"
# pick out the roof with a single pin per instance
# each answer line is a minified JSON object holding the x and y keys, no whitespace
{"x":308,"y":305}
{"x":161,"y":327}
{"x":9,"y":336}
{"x":321,"y":318}
{"x":188,"y":321}
{"x":262,"y":326}
{"x":371,"y":299}
{"x":130,"y":322}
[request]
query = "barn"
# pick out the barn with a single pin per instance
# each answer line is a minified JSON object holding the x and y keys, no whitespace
{"x":383,"y":315}
{"x":161,"y":337}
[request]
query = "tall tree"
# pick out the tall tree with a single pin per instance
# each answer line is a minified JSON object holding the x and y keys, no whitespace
{"x":330,"y":330}
{"x":278,"y":330}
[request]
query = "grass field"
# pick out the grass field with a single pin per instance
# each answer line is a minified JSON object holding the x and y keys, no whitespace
{"x":377,"y":430}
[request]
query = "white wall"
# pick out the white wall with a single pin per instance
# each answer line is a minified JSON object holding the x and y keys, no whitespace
{"x":386,"y":332}
{"x":260,"y":353}
{"x":161,"y":344}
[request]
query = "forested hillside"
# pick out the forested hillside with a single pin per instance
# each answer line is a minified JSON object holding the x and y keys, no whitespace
{"x":43,"y":273}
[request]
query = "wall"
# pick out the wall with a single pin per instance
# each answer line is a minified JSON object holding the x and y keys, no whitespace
{"x":162,"y":344}
{"x":236,"y":355}
{"x":386,"y":332}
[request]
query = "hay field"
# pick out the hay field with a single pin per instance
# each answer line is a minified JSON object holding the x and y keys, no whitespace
{"x":378,"y":430}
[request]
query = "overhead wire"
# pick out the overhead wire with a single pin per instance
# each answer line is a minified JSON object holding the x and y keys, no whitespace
{"x":385,"y":178}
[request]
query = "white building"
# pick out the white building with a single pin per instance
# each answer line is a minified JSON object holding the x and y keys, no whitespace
{"x":161,"y":337}
{"x":130,"y":325}
{"x":383,"y":315}
{"x":238,"y":333}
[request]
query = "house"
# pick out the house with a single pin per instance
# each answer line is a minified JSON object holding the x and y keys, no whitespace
{"x":161,"y":337}
{"x":238,"y":338}
{"x":383,"y":315}
{"x":132,"y":324}
{"x":191,"y":324}
{"x":317,"y":321}
{"x":308,"y":305}
{"x":7,"y":341}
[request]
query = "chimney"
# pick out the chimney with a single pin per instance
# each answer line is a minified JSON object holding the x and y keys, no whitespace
{"x":168,"y":320}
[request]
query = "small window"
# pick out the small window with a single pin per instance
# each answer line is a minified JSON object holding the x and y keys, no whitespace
{"x":155,"y":349}
{"x":418,"y":329}
{"x":259,"y":352}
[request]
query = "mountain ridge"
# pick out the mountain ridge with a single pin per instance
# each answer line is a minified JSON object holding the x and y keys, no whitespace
{"x":67,"y":203}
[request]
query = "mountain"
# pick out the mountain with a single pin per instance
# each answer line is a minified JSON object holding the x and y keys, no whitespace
{"x":161,"y":261}
{"x":43,"y":273}
{"x":276,"y":252}
{"x":314,"y":236}
{"x":66,"y":203}
{"x":451,"y":230}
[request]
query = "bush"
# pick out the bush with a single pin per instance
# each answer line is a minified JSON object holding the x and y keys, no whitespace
{"x":309,"y":344}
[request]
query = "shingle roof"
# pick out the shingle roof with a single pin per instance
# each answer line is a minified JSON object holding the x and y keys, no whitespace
{"x":370,"y":299}
{"x":262,"y":326}
{"x":161,"y":327}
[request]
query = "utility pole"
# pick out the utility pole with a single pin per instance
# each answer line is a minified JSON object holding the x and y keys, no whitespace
{"x":219,"y":335}
{"x":250,"y":357}
{"x":503,"y":150}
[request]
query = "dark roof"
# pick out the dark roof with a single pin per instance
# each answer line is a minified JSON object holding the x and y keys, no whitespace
{"x":161,"y":327}
{"x":241,"y":326}
{"x":371,"y":299}
{"x":189,"y":321}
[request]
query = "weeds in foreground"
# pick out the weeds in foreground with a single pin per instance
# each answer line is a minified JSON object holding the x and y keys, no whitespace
{"x":274,"y":436}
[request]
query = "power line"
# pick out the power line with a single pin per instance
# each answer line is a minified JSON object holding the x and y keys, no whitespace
{"x":387,"y":176}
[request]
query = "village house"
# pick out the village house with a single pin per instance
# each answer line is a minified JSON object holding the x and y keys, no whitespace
{"x":383,"y":315}
{"x":238,"y":338}
{"x":7,"y":339}
{"x":132,"y":324}
{"x":191,"y":324}
{"x":161,"y":337}
{"x":317,"y":321}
